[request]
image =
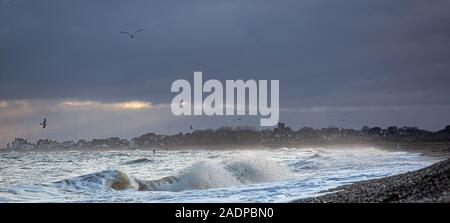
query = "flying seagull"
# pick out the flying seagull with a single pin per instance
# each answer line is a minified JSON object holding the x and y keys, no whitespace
{"x":376,"y":79}
{"x":133,"y":34}
{"x":44,"y":123}
{"x":237,"y":119}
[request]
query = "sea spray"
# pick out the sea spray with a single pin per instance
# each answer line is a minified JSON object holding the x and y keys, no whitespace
{"x":250,"y":167}
{"x":27,"y":177}
{"x":205,"y":174}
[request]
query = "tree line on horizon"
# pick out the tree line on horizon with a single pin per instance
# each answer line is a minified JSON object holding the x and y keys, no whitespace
{"x":245,"y":135}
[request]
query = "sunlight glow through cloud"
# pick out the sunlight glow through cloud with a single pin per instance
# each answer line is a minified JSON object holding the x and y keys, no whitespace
{"x":126,"y":105}
{"x":3,"y":104}
{"x":133,"y":105}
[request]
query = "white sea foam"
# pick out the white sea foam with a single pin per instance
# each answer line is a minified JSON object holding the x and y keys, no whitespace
{"x":191,"y":176}
{"x":207,"y":174}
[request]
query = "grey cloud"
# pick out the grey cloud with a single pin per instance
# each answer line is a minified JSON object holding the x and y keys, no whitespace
{"x":320,"y":50}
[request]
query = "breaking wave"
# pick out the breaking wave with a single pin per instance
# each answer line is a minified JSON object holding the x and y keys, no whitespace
{"x":200,"y":175}
{"x":114,"y":179}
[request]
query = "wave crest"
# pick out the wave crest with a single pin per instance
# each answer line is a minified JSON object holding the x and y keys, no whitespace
{"x":114,"y":179}
{"x":200,"y":175}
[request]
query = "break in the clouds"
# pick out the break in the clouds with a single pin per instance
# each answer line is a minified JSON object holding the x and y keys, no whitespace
{"x":127,"y":105}
{"x":326,"y":54}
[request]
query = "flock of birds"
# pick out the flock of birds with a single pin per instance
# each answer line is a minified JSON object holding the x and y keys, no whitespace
{"x":132,"y":35}
{"x":374,"y":79}
{"x":377,"y":79}
{"x":349,"y":113}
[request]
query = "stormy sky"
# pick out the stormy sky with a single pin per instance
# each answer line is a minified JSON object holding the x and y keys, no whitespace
{"x":343,"y":63}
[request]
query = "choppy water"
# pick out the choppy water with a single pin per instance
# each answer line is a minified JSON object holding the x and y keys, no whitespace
{"x":275,"y":175}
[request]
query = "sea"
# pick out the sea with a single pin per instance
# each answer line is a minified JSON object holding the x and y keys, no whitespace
{"x":190,"y":175}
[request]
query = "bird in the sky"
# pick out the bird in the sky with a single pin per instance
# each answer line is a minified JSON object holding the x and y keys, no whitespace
{"x":133,"y":34}
{"x":234,"y":120}
{"x":182,"y":103}
{"x":191,"y":127}
{"x":376,"y":79}
{"x":44,"y":123}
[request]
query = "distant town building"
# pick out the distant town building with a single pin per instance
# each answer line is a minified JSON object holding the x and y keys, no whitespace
{"x":281,"y":134}
{"x":20,"y":143}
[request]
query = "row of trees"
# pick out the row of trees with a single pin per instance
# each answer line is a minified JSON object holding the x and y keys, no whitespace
{"x":282,"y":134}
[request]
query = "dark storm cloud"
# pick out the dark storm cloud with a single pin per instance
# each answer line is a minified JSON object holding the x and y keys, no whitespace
{"x":320,"y":50}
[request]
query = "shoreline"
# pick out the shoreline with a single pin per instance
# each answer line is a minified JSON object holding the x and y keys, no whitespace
{"x":434,"y":149}
{"x":427,"y":185}
{"x":430,"y":184}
